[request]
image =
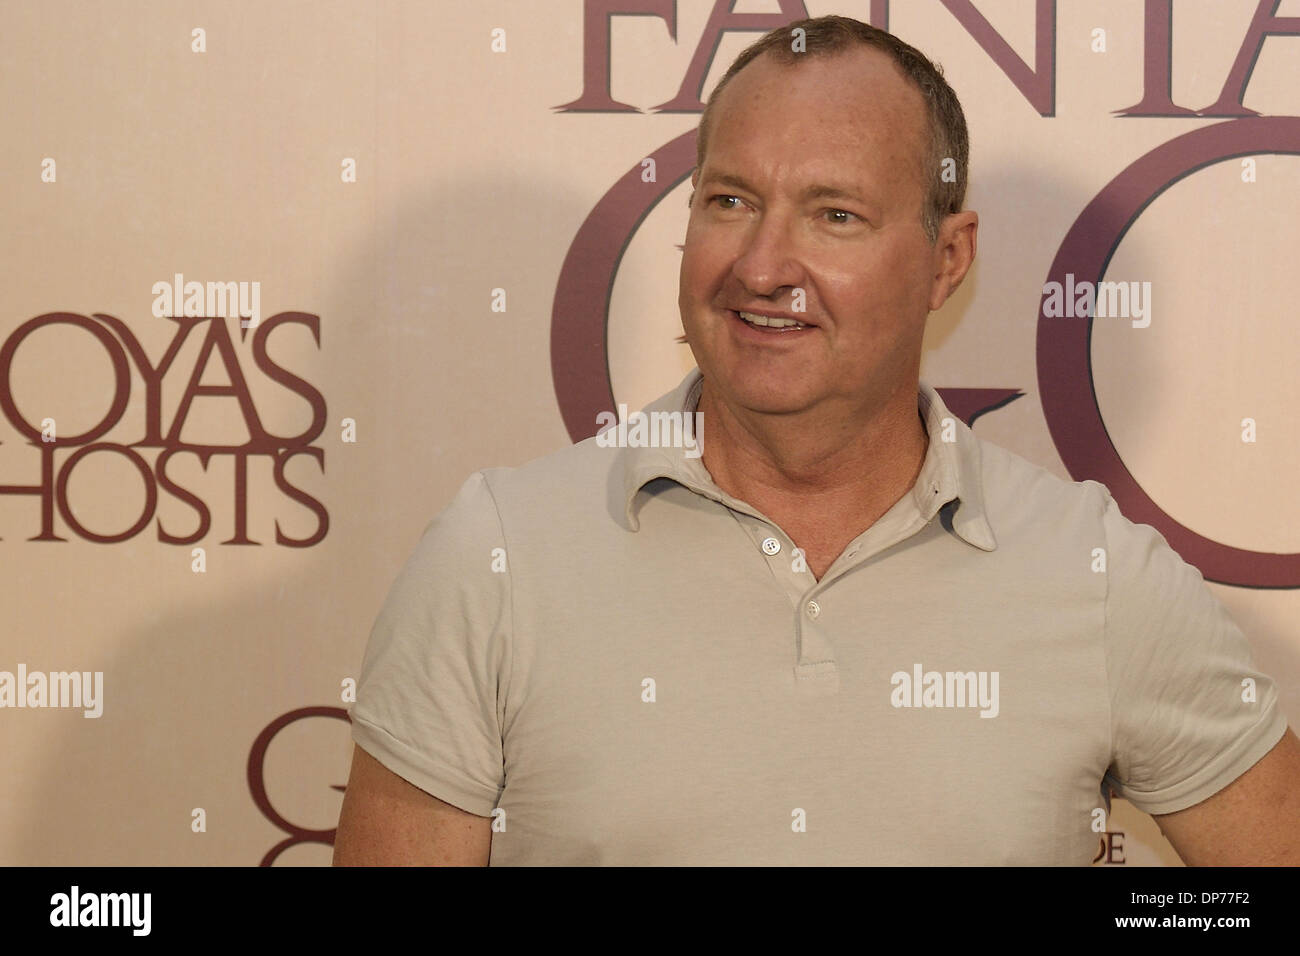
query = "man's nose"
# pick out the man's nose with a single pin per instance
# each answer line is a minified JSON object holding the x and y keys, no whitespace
{"x":769,"y":261}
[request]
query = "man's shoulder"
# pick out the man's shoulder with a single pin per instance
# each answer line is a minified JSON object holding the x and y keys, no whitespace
{"x":1017,"y":490}
{"x":579,"y":464}
{"x":580,"y":477}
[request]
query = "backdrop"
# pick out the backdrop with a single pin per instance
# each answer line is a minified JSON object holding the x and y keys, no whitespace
{"x":451,"y":230}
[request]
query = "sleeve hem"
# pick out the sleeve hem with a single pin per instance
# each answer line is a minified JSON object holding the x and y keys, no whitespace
{"x":434,"y":779}
{"x":1205,"y":784}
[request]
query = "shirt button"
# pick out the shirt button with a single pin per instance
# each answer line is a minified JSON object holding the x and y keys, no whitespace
{"x":814,"y":609}
{"x":771,"y":546}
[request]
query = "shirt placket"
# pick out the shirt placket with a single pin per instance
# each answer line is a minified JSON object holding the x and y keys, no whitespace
{"x":812,"y":602}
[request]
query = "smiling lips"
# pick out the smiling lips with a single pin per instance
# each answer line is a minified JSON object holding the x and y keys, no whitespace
{"x":771,"y":323}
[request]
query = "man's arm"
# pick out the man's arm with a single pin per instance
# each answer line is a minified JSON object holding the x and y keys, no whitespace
{"x":386,"y":821}
{"x":1255,"y":820}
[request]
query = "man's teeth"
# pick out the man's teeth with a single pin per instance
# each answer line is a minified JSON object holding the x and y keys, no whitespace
{"x":770,"y":321}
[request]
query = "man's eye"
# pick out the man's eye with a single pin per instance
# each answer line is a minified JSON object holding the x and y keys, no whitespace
{"x":725,"y":199}
{"x":835,"y":214}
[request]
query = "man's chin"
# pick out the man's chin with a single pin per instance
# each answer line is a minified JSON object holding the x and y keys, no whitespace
{"x":768,"y":400}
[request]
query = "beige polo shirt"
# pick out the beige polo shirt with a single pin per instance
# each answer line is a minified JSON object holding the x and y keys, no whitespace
{"x":624,"y":665}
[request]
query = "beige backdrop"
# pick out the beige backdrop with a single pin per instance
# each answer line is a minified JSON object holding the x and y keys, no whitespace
{"x":229,"y":165}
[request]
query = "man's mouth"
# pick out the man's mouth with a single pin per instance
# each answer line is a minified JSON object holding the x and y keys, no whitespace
{"x":770,"y":323}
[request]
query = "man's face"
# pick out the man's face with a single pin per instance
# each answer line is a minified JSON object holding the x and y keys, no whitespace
{"x":811,"y":185}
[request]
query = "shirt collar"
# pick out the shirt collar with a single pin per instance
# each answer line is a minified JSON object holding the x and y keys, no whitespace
{"x":950,"y":472}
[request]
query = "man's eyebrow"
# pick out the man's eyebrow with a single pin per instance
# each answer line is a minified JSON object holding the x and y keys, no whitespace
{"x":728,"y":179}
{"x":812,"y":192}
{"x":832,"y":192}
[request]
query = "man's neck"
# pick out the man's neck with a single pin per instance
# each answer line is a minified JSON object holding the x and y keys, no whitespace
{"x":819,"y":469}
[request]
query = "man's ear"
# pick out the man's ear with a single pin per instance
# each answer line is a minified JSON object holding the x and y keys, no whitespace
{"x":954,"y":254}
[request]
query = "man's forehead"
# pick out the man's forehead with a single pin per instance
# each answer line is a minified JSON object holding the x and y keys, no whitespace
{"x":846,"y":125}
{"x":843,"y":98}
{"x":860,"y":81}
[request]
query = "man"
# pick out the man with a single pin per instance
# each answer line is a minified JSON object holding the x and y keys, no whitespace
{"x":851,"y":632}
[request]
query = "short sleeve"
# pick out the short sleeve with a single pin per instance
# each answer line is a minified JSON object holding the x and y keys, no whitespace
{"x":438,"y":659}
{"x":1189,"y":711}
